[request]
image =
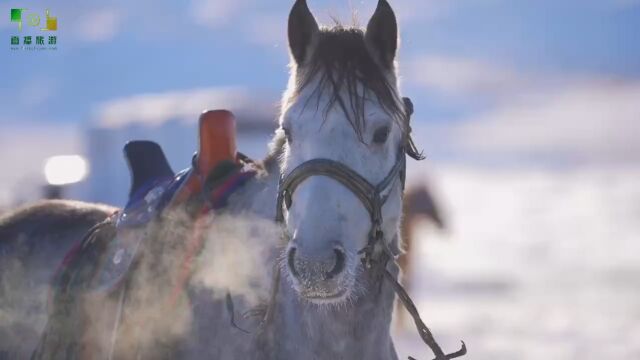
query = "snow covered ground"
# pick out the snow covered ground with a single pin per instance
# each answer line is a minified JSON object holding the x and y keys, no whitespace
{"x":535,"y":265}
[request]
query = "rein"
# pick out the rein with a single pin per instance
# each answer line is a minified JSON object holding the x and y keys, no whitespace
{"x":371,"y":197}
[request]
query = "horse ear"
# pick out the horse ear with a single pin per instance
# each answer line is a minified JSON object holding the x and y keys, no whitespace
{"x":302,"y":28}
{"x":382,"y":33}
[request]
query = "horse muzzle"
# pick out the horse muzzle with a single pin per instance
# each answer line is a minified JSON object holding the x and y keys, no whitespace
{"x":318,"y":275}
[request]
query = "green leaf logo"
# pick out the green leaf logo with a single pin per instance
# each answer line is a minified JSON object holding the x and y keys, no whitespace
{"x":16,"y":16}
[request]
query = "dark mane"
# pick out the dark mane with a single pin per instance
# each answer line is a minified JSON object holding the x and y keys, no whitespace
{"x":344,"y":66}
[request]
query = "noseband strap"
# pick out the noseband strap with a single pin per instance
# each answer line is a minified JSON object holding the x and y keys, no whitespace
{"x":370,"y":195}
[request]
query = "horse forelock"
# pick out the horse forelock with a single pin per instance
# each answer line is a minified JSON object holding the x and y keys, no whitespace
{"x":341,"y":68}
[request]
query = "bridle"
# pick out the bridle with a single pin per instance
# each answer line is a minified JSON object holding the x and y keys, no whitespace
{"x":371,"y":196}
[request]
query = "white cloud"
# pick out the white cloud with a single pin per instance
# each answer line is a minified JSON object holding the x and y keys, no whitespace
{"x":215,"y":13}
{"x":155,"y":109}
{"x":458,"y":76}
{"x":98,"y":25}
{"x":593,"y":121}
{"x":563,"y":116}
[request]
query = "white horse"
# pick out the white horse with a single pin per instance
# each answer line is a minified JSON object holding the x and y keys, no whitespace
{"x":336,"y":168}
{"x":342,"y":104}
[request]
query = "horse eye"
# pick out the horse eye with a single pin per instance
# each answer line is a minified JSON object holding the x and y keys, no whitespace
{"x":287,"y":134}
{"x":381,"y":135}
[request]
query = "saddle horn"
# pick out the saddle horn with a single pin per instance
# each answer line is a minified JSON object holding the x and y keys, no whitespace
{"x":147,"y":163}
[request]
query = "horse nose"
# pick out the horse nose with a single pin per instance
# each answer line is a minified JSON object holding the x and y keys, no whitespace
{"x":308,"y":267}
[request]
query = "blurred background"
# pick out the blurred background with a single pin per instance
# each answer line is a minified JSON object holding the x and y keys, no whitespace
{"x":528,"y":112}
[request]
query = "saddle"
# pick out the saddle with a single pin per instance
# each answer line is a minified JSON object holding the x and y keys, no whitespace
{"x":111,"y":247}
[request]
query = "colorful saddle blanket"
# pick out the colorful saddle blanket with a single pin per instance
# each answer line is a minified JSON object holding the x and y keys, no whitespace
{"x":154,"y":187}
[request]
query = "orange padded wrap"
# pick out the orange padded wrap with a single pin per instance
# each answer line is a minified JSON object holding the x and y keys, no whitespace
{"x":217,"y":139}
{"x":217,"y":143}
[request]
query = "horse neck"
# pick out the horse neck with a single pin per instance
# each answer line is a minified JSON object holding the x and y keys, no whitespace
{"x":357,"y":329}
{"x":258,"y":197}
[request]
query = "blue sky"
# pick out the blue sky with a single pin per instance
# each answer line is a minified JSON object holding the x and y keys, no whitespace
{"x":162,"y":46}
{"x":486,"y":76}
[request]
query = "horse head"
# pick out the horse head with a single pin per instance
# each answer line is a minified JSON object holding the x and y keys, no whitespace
{"x":342,"y":109}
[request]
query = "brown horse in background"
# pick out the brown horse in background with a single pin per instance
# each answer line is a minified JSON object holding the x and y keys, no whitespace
{"x":419,"y":204}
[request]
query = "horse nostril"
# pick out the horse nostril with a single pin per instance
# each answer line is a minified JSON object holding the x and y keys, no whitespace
{"x":292,"y":263}
{"x":338,"y":267}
